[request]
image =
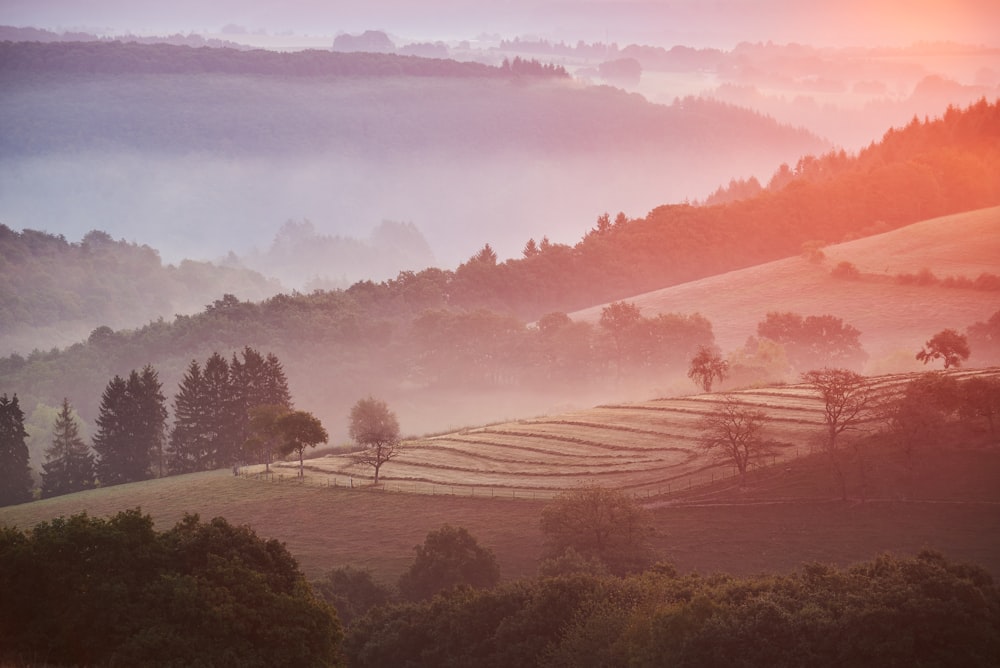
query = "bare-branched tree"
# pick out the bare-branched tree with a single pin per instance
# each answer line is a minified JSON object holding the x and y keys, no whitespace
{"x":736,"y":431}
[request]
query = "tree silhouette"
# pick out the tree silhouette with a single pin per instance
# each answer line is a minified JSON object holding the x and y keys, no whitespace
{"x":376,"y":429}
{"x":449,"y":557}
{"x":948,"y":345}
{"x":707,"y":366}
{"x":70,"y":464}
{"x":848,"y":401}
{"x":736,"y":431}
{"x":299,"y":430}
{"x":15,"y":474}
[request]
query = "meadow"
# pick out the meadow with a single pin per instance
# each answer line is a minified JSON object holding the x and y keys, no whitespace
{"x":895,"y":318}
{"x":787,"y":513}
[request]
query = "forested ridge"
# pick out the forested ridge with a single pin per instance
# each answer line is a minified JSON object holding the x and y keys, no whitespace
{"x":50,"y":281}
{"x":135,"y":58}
{"x":179,"y":99}
{"x":926,"y":169}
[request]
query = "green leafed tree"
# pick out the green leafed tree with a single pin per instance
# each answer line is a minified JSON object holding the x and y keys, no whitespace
{"x":299,"y":430}
{"x":375,"y":428}
{"x":619,"y":320}
{"x":264,"y":437}
{"x":69,"y":465}
{"x":92,"y":591}
{"x":599,"y":523}
{"x":947,"y":345}
{"x":707,"y":366}
{"x":449,"y":557}
{"x":15,"y":474}
{"x":352,"y":592}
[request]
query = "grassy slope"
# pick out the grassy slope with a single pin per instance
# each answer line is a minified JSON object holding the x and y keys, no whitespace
{"x":783,"y":518}
{"x":739,"y":532}
{"x":891,"y":317}
{"x":647,"y":448}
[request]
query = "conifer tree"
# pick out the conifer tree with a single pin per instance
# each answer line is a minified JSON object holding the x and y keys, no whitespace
{"x":256,"y":381}
{"x":15,"y":474}
{"x":190,"y":446}
{"x":69,"y":465}
{"x":130,"y":428}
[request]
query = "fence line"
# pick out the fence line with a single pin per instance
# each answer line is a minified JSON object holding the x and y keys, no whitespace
{"x":658,"y":489}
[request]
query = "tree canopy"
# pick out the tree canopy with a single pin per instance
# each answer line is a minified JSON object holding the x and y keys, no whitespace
{"x":375,"y":428}
{"x":449,"y":557}
{"x":601,"y":523}
{"x":91,"y":591}
{"x":947,"y":345}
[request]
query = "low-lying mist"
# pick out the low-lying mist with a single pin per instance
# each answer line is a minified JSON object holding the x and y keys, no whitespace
{"x":203,"y":206}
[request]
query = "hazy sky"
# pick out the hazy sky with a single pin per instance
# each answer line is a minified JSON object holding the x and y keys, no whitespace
{"x":720,"y":23}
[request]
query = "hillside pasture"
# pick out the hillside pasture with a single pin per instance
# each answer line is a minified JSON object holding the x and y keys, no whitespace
{"x":648,"y":449}
{"x":891,"y":316}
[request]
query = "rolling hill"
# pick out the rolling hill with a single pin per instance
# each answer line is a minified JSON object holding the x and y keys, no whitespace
{"x":784,"y":517}
{"x":650,"y":448}
{"x":895,"y":318}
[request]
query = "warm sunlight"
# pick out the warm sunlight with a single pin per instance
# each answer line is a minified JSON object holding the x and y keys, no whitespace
{"x":499,"y":333}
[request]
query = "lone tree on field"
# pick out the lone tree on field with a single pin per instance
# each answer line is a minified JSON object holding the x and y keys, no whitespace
{"x":848,"y":401}
{"x":948,"y":345}
{"x":263,"y":435}
{"x":376,"y":429}
{"x":299,"y":430}
{"x":736,"y":430}
{"x":599,"y":523}
{"x":707,"y":366}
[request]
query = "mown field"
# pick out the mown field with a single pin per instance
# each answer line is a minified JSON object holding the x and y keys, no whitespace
{"x":650,"y":449}
{"x":786,"y":515}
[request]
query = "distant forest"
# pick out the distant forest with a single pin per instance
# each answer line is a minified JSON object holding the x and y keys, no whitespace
{"x":134,"y":58}
{"x":51,"y":282}
{"x":84,"y":95}
{"x":928,"y":168}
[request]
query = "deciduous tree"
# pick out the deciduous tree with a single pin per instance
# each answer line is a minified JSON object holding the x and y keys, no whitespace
{"x":736,"y":431}
{"x":375,"y":428}
{"x":849,"y":401}
{"x":449,"y":557}
{"x":707,"y":366}
{"x":299,"y":430}
{"x":601,"y":523}
{"x":947,"y":345}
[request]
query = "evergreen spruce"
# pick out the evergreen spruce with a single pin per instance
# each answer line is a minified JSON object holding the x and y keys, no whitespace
{"x":190,"y":446}
{"x":256,"y":381}
{"x":130,"y":428}
{"x":220,"y":412}
{"x":15,"y":474}
{"x":69,"y":465}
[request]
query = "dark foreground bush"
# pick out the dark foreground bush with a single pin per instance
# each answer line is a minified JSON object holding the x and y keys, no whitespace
{"x":89,"y":591}
{"x":923,"y":611}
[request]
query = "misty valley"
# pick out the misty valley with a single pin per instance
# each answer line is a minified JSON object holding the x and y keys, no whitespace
{"x":496,"y":352}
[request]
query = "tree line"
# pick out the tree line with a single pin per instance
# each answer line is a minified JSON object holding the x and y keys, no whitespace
{"x":212,"y":428}
{"x":84,"y":590}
